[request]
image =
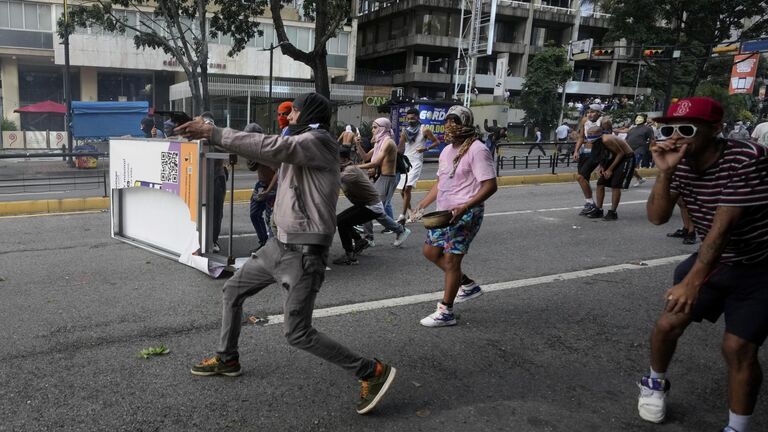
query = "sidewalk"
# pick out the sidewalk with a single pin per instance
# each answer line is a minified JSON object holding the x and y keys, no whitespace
{"x":92,"y":198}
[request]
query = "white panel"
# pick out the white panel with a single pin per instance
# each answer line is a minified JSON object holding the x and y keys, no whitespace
{"x":157,"y":217}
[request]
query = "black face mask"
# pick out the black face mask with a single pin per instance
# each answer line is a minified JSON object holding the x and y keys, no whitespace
{"x":413,"y":122}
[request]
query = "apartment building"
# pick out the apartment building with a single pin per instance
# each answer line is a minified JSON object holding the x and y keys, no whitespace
{"x":108,"y":67}
{"x":413,"y":44}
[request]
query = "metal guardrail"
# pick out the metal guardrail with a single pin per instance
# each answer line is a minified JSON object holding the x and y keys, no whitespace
{"x":552,"y":160}
{"x":85,"y":179}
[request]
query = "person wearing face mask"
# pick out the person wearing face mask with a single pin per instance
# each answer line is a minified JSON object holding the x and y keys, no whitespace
{"x":283,"y":111}
{"x":413,"y":143}
{"x":724,"y":185}
{"x":465,"y":180}
{"x":295,"y":259}
{"x":582,"y":153}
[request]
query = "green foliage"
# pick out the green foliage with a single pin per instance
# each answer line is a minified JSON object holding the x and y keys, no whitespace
{"x":692,"y":26}
{"x":154,"y":351}
{"x":177,"y":27}
{"x":734,"y":106}
{"x":8,"y":125}
{"x":539,"y":98}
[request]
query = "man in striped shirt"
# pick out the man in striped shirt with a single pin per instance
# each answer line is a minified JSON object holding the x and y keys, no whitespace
{"x":724,"y":185}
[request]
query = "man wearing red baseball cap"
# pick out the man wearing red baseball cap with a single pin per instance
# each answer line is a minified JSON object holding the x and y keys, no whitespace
{"x":724,"y":185}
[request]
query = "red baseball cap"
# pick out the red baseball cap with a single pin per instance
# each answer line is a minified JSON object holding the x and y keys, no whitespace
{"x":698,"y":108}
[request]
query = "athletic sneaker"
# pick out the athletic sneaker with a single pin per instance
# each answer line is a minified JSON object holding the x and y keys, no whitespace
{"x":348,"y":258}
{"x":362,"y":245}
{"x":728,"y":429}
{"x":214,"y":366}
{"x":588,"y":207}
{"x":595,"y":213}
{"x":651,"y":404}
{"x":639,"y":182}
{"x":401,"y":219}
{"x":400,"y":238}
{"x":387,"y":231}
{"x":611,"y":216}
{"x":468,"y":292}
{"x":689,"y":238}
{"x":441,"y":318}
{"x":678,"y":234}
{"x":373,"y":389}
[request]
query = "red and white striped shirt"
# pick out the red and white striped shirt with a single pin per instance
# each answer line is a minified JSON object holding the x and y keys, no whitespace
{"x":739,"y":178}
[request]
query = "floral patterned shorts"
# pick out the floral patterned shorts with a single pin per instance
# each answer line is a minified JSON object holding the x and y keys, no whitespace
{"x":455,"y":239}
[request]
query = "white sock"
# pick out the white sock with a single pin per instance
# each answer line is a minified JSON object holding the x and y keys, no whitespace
{"x":737,"y":422}
{"x":589,"y":200}
{"x":658,"y":375}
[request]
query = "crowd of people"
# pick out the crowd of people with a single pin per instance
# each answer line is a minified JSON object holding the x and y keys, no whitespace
{"x":721,"y":183}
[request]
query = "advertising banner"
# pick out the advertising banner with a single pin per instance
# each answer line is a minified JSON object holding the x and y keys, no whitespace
{"x":501,"y":74}
{"x":743,"y":74}
{"x":430,"y":115}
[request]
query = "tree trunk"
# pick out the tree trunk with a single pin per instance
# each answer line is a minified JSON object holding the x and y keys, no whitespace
{"x":320,"y":70}
{"x":205,"y":96}
{"x":193,"y":80}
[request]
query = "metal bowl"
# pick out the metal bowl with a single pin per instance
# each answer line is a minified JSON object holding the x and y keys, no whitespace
{"x":437,"y":219}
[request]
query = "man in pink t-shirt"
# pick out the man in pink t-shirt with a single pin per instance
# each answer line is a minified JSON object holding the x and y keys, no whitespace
{"x":466,"y":179}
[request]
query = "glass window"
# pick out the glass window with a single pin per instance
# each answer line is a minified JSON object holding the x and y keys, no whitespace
{"x":302,"y":39}
{"x":370,"y":36}
{"x":292,"y":33}
{"x":332,"y":46}
{"x":225,"y":39}
{"x":16,"y":15}
{"x":382,"y":33}
{"x":30,"y":16}
{"x":4,"y":14}
{"x":343,"y":43}
{"x":44,"y":16}
{"x":398,"y":27}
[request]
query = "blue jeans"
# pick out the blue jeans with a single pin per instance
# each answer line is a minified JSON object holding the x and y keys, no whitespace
{"x":261,"y":213}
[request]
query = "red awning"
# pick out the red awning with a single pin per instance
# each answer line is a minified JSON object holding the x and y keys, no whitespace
{"x":43,"y":107}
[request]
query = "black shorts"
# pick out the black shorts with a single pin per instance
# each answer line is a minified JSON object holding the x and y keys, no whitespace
{"x":586,"y":165}
{"x":740,"y":291}
{"x":620,"y":178}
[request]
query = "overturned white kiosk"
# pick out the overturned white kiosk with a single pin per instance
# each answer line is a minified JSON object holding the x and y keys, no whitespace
{"x":161,"y":200}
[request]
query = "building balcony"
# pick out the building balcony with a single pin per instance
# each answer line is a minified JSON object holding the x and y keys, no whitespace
{"x":401,"y":44}
{"x":367,"y":14}
{"x":423,"y":78}
{"x":505,"y":47}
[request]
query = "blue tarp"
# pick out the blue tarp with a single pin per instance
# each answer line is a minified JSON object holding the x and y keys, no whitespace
{"x":107,"y":119}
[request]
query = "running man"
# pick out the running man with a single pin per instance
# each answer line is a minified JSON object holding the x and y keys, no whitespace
{"x":724,"y":184}
{"x":413,"y":143}
{"x":465,"y":180}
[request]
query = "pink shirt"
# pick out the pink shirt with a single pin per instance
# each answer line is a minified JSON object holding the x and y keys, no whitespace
{"x":476,"y":166}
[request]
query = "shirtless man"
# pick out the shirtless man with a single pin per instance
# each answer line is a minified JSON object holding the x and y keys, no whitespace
{"x":347,"y":138}
{"x":383,"y":161}
{"x":582,"y":153}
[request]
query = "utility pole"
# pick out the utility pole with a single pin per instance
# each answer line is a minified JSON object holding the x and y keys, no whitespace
{"x":67,"y":87}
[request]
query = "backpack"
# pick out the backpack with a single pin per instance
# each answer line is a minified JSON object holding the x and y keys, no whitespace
{"x":403,"y":164}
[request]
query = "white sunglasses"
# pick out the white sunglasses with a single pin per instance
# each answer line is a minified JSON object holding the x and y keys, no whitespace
{"x":684,"y":130}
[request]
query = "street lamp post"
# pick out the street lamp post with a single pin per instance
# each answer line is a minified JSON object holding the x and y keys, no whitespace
{"x":271,"y":50}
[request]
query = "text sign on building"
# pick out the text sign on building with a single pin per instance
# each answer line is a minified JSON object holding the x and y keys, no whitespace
{"x":743,"y":74}
{"x":581,"y":49}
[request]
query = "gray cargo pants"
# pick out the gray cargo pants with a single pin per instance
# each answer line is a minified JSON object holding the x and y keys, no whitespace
{"x":301,"y":275}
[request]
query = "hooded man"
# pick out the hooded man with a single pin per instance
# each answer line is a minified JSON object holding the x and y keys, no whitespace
{"x":305,"y":212}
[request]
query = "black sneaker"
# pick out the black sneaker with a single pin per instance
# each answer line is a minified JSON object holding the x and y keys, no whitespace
{"x":361,"y":245}
{"x":387,"y":231}
{"x":689,"y":238}
{"x":348,"y":258}
{"x":678,"y":234}
{"x":595,"y":213}
{"x":214,"y":366}
{"x":588,"y":207}
{"x":373,"y":389}
{"x":611,"y":216}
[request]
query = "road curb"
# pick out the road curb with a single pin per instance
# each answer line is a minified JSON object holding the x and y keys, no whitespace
{"x":64,"y":205}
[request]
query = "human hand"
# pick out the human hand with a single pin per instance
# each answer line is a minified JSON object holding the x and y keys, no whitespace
{"x":668,"y":154}
{"x":576,"y":157}
{"x":458,"y":212}
{"x":195,"y":129}
{"x":607,"y":173}
{"x":261,"y":196}
{"x":422,"y":150}
{"x":681,"y":297}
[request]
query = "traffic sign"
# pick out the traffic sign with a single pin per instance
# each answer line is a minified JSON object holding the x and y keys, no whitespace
{"x":758,"y":45}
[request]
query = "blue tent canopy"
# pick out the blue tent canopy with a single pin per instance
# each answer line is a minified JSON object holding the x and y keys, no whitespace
{"x":107,"y":119}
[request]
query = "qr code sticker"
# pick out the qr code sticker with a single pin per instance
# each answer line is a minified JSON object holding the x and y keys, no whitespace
{"x":169,"y":167}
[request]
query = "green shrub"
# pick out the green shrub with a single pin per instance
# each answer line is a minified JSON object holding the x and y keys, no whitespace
{"x":8,"y":125}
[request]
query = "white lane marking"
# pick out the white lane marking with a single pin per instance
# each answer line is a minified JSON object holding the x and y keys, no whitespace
{"x":53,"y":214}
{"x":500,"y":286}
{"x":34,"y":193}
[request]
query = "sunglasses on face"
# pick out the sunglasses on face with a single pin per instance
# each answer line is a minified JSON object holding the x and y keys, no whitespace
{"x":684,"y":130}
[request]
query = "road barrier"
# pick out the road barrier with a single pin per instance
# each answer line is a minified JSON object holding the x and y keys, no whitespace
{"x":76,"y":179}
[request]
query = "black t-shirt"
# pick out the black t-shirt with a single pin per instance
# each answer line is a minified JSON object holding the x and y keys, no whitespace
{"x":639,"y":136}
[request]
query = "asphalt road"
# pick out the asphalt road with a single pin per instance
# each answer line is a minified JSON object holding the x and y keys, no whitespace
{"x":558,"y":353}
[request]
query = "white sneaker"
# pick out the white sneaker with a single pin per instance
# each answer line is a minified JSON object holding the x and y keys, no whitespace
{"x":401,"y":237}
{"x":468,"y":292}
{"x":441,"y":318}
{"x":216,"y":248}
{"x":651,"y":404}
{"x":639,"y":182}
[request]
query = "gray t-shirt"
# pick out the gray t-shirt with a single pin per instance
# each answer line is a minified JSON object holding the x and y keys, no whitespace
{"x":639,"y":136}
